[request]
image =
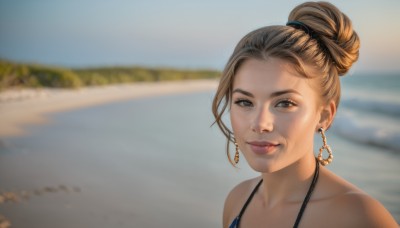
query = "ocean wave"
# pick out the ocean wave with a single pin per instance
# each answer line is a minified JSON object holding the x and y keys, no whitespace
{"x":349,"y":128}
{"x":380,"y":106}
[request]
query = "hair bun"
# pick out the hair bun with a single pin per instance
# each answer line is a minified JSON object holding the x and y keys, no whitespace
{"x":334,"y":31}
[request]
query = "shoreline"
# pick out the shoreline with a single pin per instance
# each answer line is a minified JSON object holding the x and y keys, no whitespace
{"x":19,"y":108}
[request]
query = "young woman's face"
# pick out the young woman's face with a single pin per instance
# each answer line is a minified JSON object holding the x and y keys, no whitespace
{"x":274,"y":114}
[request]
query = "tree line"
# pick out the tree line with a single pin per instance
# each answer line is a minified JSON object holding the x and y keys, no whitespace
{"x":14,"y":74}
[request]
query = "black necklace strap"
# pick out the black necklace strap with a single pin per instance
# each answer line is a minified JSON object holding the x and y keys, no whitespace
{"x":308,"y":196}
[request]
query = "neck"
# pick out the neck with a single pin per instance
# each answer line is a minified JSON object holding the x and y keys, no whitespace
{"x":289,"y":184}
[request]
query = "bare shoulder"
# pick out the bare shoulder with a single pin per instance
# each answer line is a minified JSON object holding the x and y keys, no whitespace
{"x":351,"y":207}
{"x":236,"y":199}
{"x":358,"y":209}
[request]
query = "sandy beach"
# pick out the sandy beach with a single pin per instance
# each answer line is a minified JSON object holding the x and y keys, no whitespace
{"x":53,"y":188}
{"x":29,"y":106}
{"x":108,"y":159}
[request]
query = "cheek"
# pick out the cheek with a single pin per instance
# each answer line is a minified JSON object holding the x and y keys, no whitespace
{"x":299,"y":125}
{"x":238,"y":121}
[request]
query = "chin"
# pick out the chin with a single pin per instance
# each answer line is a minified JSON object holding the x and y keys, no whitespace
{"x":264,"y":166}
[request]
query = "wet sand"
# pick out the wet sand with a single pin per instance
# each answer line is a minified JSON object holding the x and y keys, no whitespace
{"x":35,"y":182}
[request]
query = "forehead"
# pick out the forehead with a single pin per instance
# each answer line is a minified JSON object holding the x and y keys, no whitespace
{"x":268,"y":76}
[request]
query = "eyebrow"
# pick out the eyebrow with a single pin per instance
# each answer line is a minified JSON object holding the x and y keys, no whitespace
{"x":274,"y":94}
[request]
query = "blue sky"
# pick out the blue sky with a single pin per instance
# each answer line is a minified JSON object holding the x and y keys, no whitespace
{"x":175,"y":33}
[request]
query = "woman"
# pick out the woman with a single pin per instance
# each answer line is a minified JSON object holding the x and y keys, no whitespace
{"x":281,"y":86}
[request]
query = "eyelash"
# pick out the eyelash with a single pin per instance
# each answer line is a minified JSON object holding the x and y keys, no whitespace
{"x":246,"y":103}
{"x":289,"y":103}
{"x":241,"y":102}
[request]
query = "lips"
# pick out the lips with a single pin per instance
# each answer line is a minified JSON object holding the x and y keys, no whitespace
{"x":263,"y":147}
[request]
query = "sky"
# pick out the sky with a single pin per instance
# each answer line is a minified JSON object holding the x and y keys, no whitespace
{"x":172,"y":33}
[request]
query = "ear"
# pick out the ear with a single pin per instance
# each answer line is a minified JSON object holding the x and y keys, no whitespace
{"x":327,"y":114}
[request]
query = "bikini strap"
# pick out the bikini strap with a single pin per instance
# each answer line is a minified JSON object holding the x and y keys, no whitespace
{"x":236,"y":222}
{"x":247,"y":202}
{"x":308,"y":196}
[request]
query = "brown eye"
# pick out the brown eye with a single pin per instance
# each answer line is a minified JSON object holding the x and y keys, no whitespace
{"x":286,"y":104}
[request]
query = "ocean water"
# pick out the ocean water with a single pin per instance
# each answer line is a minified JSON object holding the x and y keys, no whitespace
{"x":156,"y":162}
{"x":370,"y":110}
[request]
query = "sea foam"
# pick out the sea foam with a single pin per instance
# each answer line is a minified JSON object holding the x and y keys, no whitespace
{"x":348,"y":127}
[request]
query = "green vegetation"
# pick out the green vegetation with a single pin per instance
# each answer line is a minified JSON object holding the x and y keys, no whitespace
{"x":29,"y":75}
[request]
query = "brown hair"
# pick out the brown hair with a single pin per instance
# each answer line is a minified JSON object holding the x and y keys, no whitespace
{"x":330,"y":51}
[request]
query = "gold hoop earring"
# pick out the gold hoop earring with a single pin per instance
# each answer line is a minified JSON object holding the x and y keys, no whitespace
{"x":236,"y":159}
{"x":326,"y":147}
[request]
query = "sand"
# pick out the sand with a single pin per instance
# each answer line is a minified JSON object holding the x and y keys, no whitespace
{"x":61,"y":186}
{"x":29,"y":106}
{"x":143,"y":169}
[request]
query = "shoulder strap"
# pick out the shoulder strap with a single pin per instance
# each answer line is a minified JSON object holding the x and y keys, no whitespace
{"x":248,"y":201}
{"x":308,"y":196}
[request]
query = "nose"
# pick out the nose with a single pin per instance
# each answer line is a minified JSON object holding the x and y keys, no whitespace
{"x":263,"y":120}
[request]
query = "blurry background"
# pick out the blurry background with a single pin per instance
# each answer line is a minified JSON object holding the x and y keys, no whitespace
{"x":171,"y":33}
{"x":156,"y":162}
